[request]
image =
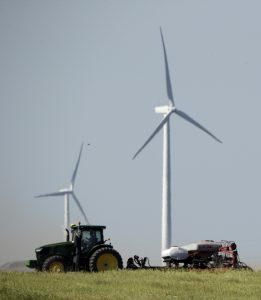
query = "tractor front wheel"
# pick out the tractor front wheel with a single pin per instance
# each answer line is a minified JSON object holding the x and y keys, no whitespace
{"x":105,"y":259}
{"x":54,"y":264}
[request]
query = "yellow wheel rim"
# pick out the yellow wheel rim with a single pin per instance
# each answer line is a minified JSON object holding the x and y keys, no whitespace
{"x":56,"y":267}
{"x":107,"y":261}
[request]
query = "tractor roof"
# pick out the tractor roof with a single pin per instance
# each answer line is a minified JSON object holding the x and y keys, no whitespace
{"x":94,"y":227}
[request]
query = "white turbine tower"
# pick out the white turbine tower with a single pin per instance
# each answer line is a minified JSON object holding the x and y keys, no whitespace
{"x":167,"y":111}
{"x":67,"y":193}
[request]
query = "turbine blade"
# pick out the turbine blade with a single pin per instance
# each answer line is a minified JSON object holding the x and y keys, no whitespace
{"x":164,"y":120}
{"x":76,"y":167}
{"x":168,"y":80}
{"x":81,"y":209}
{"x":51,"y":194}
{"x":195,"y":123}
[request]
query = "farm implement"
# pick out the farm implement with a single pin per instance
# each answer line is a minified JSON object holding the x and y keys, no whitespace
{"x":202,"y":255}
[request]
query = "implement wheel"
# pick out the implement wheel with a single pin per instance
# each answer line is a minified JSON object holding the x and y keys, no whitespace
{"x":105,"y":259}
{"x":54,"y":264}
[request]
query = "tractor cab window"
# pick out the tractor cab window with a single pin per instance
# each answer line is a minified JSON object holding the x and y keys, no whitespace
{"x":91,"y":236}
{"x":89,"y":239}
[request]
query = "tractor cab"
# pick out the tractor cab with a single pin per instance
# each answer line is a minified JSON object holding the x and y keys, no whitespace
{"x":85,"y":237}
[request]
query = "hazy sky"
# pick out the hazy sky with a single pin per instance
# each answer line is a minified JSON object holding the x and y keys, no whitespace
{"x":93,"y":71}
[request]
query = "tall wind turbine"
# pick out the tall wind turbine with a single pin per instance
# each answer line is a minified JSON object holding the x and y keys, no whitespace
{"x":67,"y":193}
{"x":167,"y":111}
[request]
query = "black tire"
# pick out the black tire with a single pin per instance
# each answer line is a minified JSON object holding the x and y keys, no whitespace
{"x":105,"y":259}
{"x":54,"y":264}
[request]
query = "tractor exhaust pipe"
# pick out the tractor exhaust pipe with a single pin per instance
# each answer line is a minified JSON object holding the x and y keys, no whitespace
{"x":67,"y":235}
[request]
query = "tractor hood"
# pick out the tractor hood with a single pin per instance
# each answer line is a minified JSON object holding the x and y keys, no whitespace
{"x":63,"y":249}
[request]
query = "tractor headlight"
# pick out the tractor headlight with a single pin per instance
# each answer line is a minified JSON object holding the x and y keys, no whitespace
{"x":38,"y":250}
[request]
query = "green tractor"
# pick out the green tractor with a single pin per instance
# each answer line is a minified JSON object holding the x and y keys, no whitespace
{"x":87,"y":251}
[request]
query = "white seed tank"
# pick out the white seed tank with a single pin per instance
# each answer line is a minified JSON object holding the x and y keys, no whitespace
{"x":183,"y":252}
{"x":177,"y":253}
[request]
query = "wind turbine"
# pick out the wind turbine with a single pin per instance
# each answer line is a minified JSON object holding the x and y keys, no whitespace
{"x":167,"y":111}
{"x":67,"y":193}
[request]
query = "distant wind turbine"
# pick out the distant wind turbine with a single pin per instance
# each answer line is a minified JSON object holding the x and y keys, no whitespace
{"x":167,"y":111}
{"x":67,"y":193}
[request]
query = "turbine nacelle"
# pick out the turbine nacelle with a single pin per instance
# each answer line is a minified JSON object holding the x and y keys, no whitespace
{"x":66,"y":191}
{"x":165,"y":109}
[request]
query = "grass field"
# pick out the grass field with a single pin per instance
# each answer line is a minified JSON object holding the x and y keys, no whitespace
{"x":142,"y":284}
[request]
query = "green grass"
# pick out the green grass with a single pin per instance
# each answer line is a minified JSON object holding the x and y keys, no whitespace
{"x":142,"y":284}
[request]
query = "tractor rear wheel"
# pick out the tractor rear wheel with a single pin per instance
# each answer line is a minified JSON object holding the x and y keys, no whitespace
{"x":54,"y":264}
{"x":105,"y":259}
